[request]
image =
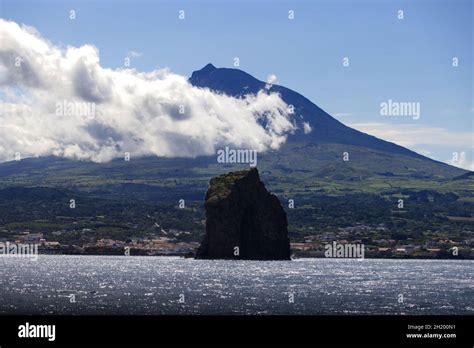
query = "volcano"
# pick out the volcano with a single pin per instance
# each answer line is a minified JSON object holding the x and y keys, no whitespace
{"x":327,"y":134}
{"x":331,"y":150}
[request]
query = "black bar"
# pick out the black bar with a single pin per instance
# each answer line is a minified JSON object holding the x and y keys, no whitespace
{"x":225,"y":330}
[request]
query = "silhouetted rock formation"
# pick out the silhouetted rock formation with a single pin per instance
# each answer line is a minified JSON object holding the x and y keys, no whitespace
{"x":243,"y":220}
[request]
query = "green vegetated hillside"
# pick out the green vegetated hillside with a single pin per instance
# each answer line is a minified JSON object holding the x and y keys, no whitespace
{"x":354,"y":200}
{"x":382,"y":195}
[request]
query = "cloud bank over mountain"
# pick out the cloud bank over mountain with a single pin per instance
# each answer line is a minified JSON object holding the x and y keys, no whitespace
{"x":61,"y":101}
{"x":414,"y":136}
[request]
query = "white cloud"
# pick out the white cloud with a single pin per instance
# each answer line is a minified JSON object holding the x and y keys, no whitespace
{"x":271,"y":79}
{"x":143,"y":113}
{"x":462,"y":161}
{"x":413,"y":136}
{"x":410,"y":135}
{"x":307,"y":128}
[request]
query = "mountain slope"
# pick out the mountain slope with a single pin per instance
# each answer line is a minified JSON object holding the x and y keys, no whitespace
{"x":142,"y":197}
{"x":303,"y":161}
{"x":325,"y":129}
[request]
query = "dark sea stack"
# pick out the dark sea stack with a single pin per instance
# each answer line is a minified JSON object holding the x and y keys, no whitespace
{"x":243,"y":220}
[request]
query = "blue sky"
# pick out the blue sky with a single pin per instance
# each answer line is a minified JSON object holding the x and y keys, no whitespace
{"x":389,"y":58}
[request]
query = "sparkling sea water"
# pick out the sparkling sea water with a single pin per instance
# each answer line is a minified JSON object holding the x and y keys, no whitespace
{"x":60,"y":284}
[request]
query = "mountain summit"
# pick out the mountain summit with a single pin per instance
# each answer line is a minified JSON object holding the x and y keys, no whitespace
{"x":324,"y":128}
{"x":331,"y":152}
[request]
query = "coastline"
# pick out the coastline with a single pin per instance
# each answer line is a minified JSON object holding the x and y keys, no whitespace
{"x":139,"y":252}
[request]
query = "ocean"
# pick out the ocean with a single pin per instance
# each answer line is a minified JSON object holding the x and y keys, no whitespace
{"x":118,"y":285}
